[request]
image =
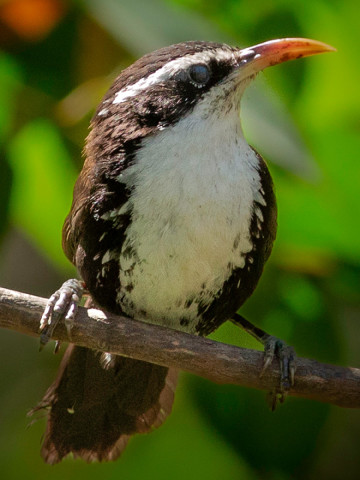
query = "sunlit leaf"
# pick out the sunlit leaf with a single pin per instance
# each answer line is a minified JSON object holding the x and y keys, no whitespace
{"x":10,"y":81}
{"x":322,"y":215}
{"x":43,"y":182}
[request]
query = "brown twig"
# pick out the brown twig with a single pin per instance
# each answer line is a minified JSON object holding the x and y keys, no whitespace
{"x":216,"y":361}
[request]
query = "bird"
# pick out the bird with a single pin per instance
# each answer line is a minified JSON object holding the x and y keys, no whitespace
{"x":172,"y":221}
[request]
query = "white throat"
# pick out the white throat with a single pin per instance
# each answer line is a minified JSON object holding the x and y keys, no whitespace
{"x":194,"y":185}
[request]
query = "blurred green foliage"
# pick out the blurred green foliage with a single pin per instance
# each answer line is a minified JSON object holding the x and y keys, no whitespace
{"x":56,"y":61}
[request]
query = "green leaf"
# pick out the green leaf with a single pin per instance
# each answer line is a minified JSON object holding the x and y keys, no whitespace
{"x":322,"y":216}
{"x":10,"y":81}
{"x":43,"y":180}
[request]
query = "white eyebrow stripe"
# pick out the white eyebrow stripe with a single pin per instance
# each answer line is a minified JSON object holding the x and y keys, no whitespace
{"x":169,"y":69}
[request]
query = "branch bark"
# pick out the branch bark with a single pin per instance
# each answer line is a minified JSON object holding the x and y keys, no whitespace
{"x":215,"y":361}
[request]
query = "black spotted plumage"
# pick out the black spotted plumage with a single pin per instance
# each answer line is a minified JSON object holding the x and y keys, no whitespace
{"x":242,"y":281}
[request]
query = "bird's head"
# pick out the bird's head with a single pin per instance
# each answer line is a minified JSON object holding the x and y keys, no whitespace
{"x":195,"y":86}
{"x":166,"y":85}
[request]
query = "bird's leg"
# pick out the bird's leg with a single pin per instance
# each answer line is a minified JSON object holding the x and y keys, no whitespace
{"x":62,"y":304}
{"x":273,"y":346}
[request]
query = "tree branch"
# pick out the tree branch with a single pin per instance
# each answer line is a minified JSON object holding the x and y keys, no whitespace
{"x":216,"y":361}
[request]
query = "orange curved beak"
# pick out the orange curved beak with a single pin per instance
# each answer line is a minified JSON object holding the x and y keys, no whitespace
{"x":273,"y":52}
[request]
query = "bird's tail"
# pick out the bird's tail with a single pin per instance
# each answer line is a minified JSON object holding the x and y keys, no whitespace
{"x":95,"y":406}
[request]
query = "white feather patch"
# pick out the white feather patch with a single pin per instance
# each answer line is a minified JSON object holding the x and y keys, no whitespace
{"x":192,"y":202}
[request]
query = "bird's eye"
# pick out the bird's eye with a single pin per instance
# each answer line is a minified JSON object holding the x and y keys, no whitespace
{"x":199,"y":75}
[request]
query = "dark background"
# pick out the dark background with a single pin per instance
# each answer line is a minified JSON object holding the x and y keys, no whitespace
{"x":57,"y":58}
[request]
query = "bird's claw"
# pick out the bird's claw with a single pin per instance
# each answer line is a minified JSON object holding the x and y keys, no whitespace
{"x":274,"y":347}
{"x":62,"y":304}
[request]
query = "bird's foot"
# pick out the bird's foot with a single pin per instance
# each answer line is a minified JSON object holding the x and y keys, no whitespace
{"x":62,"y":304}
{"x":274,"y":347}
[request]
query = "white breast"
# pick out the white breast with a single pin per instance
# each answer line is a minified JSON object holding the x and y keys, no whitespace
{"x":192,"y":203}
